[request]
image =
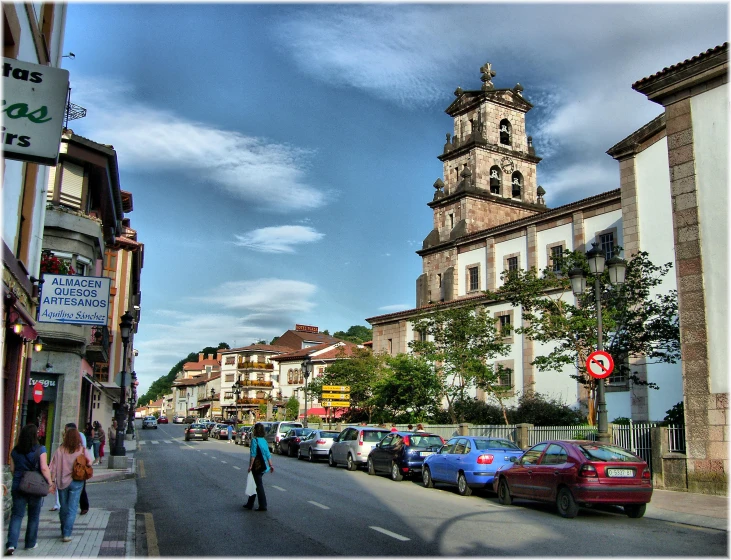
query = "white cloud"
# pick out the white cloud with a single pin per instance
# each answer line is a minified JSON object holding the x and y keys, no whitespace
{"x":146,"y":138}
{"x":279,"y":239}
{"x":394,"y":308}
{"x":266,"y":295}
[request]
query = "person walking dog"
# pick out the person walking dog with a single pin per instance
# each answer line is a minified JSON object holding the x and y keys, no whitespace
{"x":260,"y":462}
{"x":27,"y":455}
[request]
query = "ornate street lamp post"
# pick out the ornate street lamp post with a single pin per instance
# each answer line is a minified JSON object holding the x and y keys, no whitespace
{"x":125,"y":326}
{"x":132,"y":401}
{"x":617,"y":268}
{"x":237,"y":392}
{"x":306,"y":370}
{"x":213,"y":394}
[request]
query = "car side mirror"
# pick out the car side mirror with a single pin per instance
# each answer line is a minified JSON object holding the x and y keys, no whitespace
{"x":514,"y":459}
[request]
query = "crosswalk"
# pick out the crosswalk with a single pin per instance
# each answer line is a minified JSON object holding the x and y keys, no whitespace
{"x":156,"y":442}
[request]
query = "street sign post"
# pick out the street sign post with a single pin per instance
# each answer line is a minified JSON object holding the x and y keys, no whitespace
{"x":336,"y":403}
{"x":336,"y":388}
{"x":599,"y":364}
{"x":336,"y":396}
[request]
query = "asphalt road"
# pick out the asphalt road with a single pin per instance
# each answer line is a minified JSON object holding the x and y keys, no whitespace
{"x":194,"y":491}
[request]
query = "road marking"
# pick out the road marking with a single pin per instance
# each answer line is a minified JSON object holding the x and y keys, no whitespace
{"x":318,"y":505}
{"x":141,"y":467}
{"x":224,"y":462}
{"x":390,"y":534}
{"x":237,"y":468}
{"x":141,"y":442}
{"x":153,"y":442}
{"x":167,"y":441}
{"x":152,"y":547}
{"x":279,"y":488}
{"x":212,"y":457}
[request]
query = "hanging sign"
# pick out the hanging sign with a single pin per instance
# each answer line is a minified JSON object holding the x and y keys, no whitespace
{"x":76,"y":300}
{"x":37,"y":392}
{"x":599,"y":364}
{"x":33,"y":109}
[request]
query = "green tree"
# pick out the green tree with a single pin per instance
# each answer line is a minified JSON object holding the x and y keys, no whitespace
{"x":292,"y":409}
{"x":357,"y":334}
{"x":409,"y":389}
{"x":459,"y":342}
{"x":635,"y":323}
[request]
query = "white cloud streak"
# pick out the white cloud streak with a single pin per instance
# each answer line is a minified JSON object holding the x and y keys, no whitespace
{"x":278,"y":239}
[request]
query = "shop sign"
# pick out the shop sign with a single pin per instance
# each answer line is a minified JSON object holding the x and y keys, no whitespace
{"x":75,"y":300}
{"x":46,"y":384}
{"x":307,"y":329}
{"x":33,"y":110}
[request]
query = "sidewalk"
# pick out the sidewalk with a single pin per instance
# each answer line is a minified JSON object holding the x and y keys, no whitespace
{"x":700,"y":510}
{"x":107,"y":530}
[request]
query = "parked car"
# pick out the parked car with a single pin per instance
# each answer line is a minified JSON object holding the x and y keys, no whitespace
{"x":178,"y":419}
{"x":162,"y":420}
{"x":469,"y":462}
{"x":149,"y":422}
{"x":289,"y":445}
{"x":316,"y":444}
{"x":577,"y":473}
{"x":240,"y":434}
{"x":401,"y":454}
{"x":189,"y":420}
{"x":353,"y":445}
{"x":196,"y":431}
{"x":221,"y":431}
{"x":276,"y":431}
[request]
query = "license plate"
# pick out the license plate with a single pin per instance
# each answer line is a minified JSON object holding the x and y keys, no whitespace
{"x":426,"y":453}
{"x":620,"y":473}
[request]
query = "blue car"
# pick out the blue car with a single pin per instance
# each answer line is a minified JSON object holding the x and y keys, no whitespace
{"x":469,"y":462}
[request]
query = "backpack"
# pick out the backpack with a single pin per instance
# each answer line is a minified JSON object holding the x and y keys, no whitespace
{"x":82,"y":470}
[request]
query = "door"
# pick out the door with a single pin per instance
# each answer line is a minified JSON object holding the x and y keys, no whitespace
{"x":438,"y":463}
{"x":382,"y":453}
{"x":520,"y":474}
{"x":455,"y":460}
{"x":548,"y":471}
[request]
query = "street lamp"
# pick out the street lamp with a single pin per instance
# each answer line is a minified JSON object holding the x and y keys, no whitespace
{"x":306,"y":370}
{"x":213,"y":394}
{"x":237,"y":392}
{"x":617,"y":268}
{"x":125,"y":326}
{"x":132,"y":400}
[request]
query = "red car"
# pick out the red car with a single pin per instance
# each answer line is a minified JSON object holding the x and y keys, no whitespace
{"x":162,"y":420}
{"x":577,"y":473}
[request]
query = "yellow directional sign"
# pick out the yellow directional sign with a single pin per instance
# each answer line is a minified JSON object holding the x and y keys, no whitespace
{"x":336,"y":396}
{"x":336,"y":403}
{"x":336,"y":388}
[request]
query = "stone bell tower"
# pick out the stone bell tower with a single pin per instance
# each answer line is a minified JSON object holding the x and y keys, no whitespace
{"x":489,"y":178}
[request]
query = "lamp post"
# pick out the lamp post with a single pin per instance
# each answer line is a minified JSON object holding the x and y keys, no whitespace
{"x":306,"y":370}
{"x":617,"y":268}
{"x":132,"y":400}
{"x":213,"y":394}
{"x":125,"y":326}
{"x":187,"y":406}
{"x":237,"y":392}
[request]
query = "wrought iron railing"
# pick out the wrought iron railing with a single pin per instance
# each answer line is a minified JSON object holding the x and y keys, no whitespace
{"x":99,"y":336}
{"x":676,"y":439}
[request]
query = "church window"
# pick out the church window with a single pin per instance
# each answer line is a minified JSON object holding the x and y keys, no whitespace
{"x":556,"y":258}
{"x":517,"y":184}
{"x":606,"y":244}
{"x":505,"y":132}
{"x":495,"y":179}
{"x":451,"y":221}
{"x":474,"y":278}
{"x":439,"y":279}
{"x":512,"y":264}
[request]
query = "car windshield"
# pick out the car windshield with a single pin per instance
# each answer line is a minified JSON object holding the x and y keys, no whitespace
{"x":197,"y":426}
{"x":607,"y":453}
{"x":328,"y":435}
{"x":425,"y":441}
{"x":373,"y":437}
{"x":495,"y":444}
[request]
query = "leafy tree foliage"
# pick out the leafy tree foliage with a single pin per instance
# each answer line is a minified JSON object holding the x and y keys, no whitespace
{"x":357,"y":334}
{"x":292,"y":408}
{"x":459,"y":343}
{"x":635,"y":323}
{"x":539,"y":410}
{"x":675,"y":416}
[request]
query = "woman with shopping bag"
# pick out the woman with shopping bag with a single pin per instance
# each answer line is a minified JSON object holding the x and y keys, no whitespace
{"x":260,"y":462}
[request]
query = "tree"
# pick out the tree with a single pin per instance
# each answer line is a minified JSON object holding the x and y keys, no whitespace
{"x":292,"y":409}
{"x":409,"y":388}
{"x":635,"y":324}
{"x":357,"y":334}
{"x":459,"y":342}
{"x":360,"y":372}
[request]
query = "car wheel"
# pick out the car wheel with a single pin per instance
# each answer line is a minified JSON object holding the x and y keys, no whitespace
{"x":187,"y":439}
{"x":566,"y":504}
{"x":503,"y":493}
{"x":299,"y":454}
{"x":310,"y":456}
{"x":371,"y":468}
{"x":635,"y":511}
{"x":426,"y":478}
{"x":205,"y":438}
{"x":331,"y":461}
{"x":351,"y":465}
{"x":462,"y":486}
{"x":290,"y":451}
{"x":396,"y":475}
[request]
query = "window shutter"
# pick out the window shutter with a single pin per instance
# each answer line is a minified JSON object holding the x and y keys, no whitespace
{"x":72,"y":185}
{"x":51,"y":183}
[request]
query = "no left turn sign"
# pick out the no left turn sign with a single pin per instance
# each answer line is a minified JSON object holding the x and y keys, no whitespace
{"x":599,"y":364}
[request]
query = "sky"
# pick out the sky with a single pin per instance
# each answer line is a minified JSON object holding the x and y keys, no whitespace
{"x":281,"y":156}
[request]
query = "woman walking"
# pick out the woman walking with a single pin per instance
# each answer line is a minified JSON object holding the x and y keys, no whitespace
{"x":96,"y":442}
{"x":259,"y":447}
{"x":27,"y":455}
{"x":69,"y":493}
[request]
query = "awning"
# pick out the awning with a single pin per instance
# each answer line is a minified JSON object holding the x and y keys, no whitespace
{"x":319,"y":411}
{"x":201,"y":407}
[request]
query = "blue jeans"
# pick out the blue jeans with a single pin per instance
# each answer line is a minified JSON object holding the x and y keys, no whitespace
{"x":96,"y":445}
{"x":69,"y":498}
{"x":21,"y":501}
{"x":260,"y":493}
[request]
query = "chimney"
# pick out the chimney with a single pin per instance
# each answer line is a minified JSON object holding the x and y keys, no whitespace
{"x":201,"y":357}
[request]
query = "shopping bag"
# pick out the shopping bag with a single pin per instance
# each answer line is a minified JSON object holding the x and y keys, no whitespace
{"x":250,"y":485}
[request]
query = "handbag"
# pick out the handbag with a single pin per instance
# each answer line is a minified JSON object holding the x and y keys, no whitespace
{"x":33,"y":482}
{"x":82,"y":470}
{"x":250,"y":485}
{"x":258,"y":466}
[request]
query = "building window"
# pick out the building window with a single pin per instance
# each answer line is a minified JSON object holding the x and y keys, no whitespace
{"x":504,"y":320}
{"x":556,"y":257}
{"x":606,"y":244}
{"x":474,"y":278}
{"x":439,"y":280}
{"x":505,"y":378}
{"x":229,"y":378}
{"x":512,"y":264}
{"x":517,"y":184}
{"x":389,"y":343}
{"x":495,"y":179}
{"x":505,"y":326}
{"x":505,"y":132}
{"x":230,"y":360}
{"x":451,"y":221}
{"x":619,"y":378}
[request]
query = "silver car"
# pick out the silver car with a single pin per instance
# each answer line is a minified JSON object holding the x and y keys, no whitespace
{"x":353,"y":445}
{"x":317,"y":444}
{"x":149,"y":422}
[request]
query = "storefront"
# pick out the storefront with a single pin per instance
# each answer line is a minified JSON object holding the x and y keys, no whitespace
{"x":41,"y":402}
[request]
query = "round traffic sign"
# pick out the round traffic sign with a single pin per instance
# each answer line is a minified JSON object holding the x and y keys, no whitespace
{"x":599,"y":364}
{"x":37,"y":393}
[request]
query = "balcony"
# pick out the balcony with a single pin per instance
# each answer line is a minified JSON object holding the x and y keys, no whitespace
{"x":256,"y":383}
{"x":97,"y":350}
{"x":247,"y":400}
{"x":243,"y":364}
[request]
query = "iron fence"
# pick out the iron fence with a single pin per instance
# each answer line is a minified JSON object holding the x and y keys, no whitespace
{"x":537,"y":434}
{"x":676,"y":439}
{"x":496,"y":430}
{"x":636,"y":438}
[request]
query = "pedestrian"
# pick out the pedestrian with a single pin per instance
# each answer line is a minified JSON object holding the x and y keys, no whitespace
{"x":84,"y":499}
{"x":259,"y":447}
{"x":62,"y":466}
{"x":113,"y":435}
{"x":102,"y":441}
{"x":230,"y":434}
{"x":27,"y":455}
{"x":394,"y":428}
{"x":96,"y":442}
{"x":411,"y":427}
{"x":420,"y":428}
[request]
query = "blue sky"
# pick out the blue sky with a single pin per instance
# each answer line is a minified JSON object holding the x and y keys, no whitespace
{"x":281,"y":156}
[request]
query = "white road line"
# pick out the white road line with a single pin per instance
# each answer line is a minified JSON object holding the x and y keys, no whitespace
{"x":167,"y":441}
{"x":224,"y":462}
{"x":212,"y":457}
{"x":390,"y":534}
{"x":237,"y":468}
{"x":154,"y":442}
{"x":318,"y":505}
{"x":141,"y":442}
{"x":279,"y":488}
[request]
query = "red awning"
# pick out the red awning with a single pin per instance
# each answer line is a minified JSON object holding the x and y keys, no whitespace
{"x":319,"y":411}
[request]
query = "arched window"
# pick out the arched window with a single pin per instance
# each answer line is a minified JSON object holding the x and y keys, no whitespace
{"x":495,"y":179}
{"x":301,"y":378}
{"x":505,"y":132}
{"x":517,"y":184}
{"x":289,"y":376}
